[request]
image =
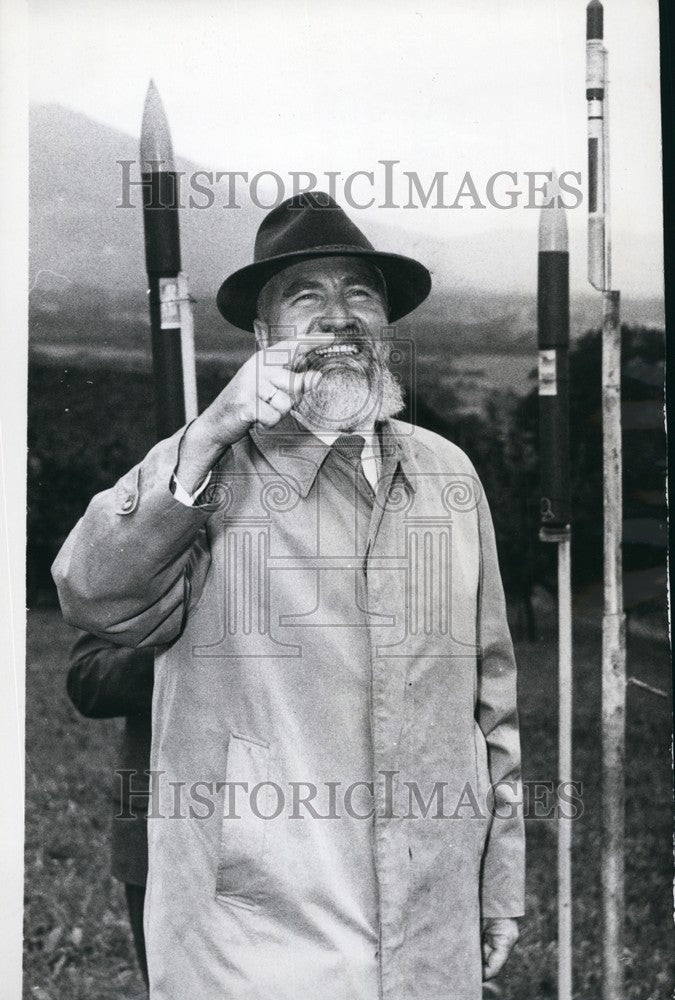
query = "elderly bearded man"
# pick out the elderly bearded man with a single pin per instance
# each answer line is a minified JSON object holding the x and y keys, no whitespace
{"x":335,"y":692}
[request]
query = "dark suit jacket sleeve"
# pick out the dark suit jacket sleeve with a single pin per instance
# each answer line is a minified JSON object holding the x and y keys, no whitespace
{"x":503,"y":875}
{"x":105,"y":681}
{"x":137,"y":558}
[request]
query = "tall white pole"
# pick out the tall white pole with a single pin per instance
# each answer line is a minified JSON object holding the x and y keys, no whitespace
{"x":564,"y":768}
{"x":613,"y":621}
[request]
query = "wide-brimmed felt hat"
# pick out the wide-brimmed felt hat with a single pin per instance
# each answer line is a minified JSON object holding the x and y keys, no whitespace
{"x":305,"y":227}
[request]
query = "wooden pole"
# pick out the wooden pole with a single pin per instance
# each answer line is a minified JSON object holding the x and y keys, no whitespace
{"x":564,"y":768}
{"x":613,"y":620}
{"x":613,"y":660}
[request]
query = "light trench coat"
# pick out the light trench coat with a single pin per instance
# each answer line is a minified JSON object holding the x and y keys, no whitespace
{"x":328,"y":718}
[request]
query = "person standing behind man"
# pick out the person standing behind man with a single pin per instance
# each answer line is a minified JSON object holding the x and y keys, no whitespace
{"x":104,"y":682}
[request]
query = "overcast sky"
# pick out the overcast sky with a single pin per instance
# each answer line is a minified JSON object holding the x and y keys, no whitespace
{"x":452,"y":85}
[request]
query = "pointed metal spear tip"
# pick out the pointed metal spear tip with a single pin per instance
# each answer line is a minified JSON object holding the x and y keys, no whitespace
{"x":156,"y":146}
{"x":553,"y":220}
{"x":594,"y":21}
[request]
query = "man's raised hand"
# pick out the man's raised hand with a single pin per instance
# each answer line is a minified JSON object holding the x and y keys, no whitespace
{"x":279,"y":385}
{"x":266,"y":387}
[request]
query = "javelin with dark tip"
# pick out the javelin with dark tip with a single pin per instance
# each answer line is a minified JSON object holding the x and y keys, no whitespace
{"x":553,"y":325}
{"x":170,"y":309}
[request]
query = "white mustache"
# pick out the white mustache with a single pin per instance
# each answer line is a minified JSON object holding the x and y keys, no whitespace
{"x":365,"y":356}
{"x":347,"y":395}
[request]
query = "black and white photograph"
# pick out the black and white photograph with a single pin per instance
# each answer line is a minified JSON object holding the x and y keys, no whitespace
{"x":333,"y":454}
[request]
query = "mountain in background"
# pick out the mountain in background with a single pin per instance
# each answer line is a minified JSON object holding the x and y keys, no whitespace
{"x":87,"y":265}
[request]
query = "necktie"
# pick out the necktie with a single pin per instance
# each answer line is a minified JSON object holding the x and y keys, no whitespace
{"x":349,"y":448}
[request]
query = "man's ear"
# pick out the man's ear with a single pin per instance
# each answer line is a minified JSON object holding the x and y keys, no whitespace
{"x":262,"y":333}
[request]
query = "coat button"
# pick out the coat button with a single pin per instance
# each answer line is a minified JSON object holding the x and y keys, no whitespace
{"x":128,"y":503}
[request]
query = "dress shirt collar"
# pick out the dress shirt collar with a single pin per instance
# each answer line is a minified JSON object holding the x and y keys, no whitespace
{"x":370,"y":453}
{"x":297,"y":454}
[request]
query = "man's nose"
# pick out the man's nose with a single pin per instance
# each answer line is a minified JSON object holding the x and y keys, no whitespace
{"x":335,"y":324}
{"x":336,"y":315}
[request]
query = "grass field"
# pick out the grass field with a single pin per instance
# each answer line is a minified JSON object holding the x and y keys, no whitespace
{"x":78,"y":946}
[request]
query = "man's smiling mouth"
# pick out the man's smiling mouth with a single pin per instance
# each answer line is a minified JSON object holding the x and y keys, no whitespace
{"x":323,"y":352}
{"x":350,"y":353}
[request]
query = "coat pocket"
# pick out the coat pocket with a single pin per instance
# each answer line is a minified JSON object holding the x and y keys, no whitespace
{"x":240,"y":878}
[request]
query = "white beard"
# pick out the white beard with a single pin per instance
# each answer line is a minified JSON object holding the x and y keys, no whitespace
{"x":347,"y":399}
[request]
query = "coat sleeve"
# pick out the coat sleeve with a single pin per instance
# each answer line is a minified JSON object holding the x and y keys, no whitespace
{"x":137,"y":558}
{"x":503,"y":873}
{"x":105,"y":681}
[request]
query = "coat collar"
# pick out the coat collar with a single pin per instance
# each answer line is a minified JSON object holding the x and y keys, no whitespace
{"x":297,"y":455}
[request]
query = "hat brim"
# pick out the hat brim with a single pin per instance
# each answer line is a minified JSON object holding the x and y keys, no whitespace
{"x":408,"y":282}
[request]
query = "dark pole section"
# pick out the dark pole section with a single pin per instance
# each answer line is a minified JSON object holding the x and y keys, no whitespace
{"x":553,"y":331}
{"x":160,"y":219}
{"x":162,"y":257}
{"x":594,"y":19}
